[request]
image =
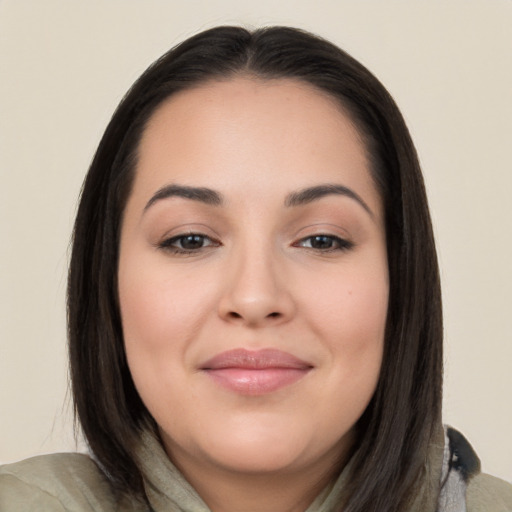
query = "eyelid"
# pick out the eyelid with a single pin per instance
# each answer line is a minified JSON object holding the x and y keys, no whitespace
{"x":184,"y":229}
{"x":167,"y":242}
{"x":322,"y":229}
{"x":342,"y":244}
{"x":170,"y":241}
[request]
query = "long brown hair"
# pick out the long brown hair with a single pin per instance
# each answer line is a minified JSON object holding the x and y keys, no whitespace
{"x":398,"y":425}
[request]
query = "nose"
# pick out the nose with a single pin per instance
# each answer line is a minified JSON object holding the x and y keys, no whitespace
{"x":256,"y":292}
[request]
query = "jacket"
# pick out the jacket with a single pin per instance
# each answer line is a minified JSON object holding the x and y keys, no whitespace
{"x":74,"y":483}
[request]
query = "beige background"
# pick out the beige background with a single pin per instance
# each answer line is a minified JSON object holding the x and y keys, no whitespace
{"x":65,"y":65}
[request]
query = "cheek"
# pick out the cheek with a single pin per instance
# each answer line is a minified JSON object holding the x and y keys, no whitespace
{"x":159,"y":321}
{"x":350,"y":308}
{"x":159,"y":307}
{"x":161,"y":315}
{"x":348,"y":313}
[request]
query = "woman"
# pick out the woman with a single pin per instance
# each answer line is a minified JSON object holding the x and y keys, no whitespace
{"x":254,"y":306}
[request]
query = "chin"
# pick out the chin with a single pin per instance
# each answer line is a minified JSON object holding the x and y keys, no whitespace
{"x":257,"y":447}
{"x":259,"y":455}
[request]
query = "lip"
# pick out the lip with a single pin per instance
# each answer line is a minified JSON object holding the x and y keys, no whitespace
{"x":255,"y":372}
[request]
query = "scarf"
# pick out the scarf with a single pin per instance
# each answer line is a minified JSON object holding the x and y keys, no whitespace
{"x":450,"y":463}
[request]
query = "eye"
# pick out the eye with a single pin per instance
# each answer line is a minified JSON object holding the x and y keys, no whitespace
{"x":188,"y":243}
{"x":325,"y":243}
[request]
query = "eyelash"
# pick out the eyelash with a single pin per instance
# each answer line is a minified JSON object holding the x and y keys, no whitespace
{"x":170,"y":244}
{"x":340,"y":244}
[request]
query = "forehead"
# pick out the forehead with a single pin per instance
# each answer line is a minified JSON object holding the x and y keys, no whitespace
{"x":228,"y":133}
{"x":254,"y":100}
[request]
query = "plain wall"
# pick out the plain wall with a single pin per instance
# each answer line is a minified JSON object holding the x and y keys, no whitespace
{"x":65,"y":65}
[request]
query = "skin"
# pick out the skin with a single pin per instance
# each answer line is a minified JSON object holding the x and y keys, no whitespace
{"x":257,"y":279}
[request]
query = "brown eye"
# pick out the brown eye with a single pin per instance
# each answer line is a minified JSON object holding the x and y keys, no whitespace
{"x":322,"y":242}
{"x":325,"y":243}
{"x":189,"y":243}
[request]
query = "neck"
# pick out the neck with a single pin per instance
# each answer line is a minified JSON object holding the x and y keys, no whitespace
{"x":228,"y":490}
{"x":224,"y":492}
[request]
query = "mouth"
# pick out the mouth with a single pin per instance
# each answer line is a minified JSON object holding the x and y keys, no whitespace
{"x":255,"y":372}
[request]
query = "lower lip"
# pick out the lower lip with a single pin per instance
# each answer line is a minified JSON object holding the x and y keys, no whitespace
{"x":256,"y":381}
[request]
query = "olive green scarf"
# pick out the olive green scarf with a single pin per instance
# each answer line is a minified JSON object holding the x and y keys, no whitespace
{"x":168,"y":491}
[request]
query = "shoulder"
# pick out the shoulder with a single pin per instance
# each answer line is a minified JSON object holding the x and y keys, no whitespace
{"x":60,"y":482}
{"x":486,"y":493}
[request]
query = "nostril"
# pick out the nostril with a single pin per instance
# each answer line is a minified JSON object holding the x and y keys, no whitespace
{"x":235,"y":315}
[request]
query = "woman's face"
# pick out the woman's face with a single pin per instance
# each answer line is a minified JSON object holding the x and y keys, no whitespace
{"x":253,"y":277}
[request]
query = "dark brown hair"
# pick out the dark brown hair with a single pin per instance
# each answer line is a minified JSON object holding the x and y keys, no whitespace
{"x":396,"y":428}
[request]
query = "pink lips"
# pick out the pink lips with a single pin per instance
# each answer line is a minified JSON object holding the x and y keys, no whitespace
{"x":255,"y":372}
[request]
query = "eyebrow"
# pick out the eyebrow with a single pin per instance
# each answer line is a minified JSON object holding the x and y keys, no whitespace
{"x":201,"y":194}
{"x":299,"y":198}
{"x":308,"y":195}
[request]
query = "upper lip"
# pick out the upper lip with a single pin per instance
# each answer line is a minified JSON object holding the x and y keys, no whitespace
{"x":255,"y":360}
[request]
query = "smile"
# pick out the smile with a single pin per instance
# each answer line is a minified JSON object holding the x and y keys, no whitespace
{"x":255,"y":372}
